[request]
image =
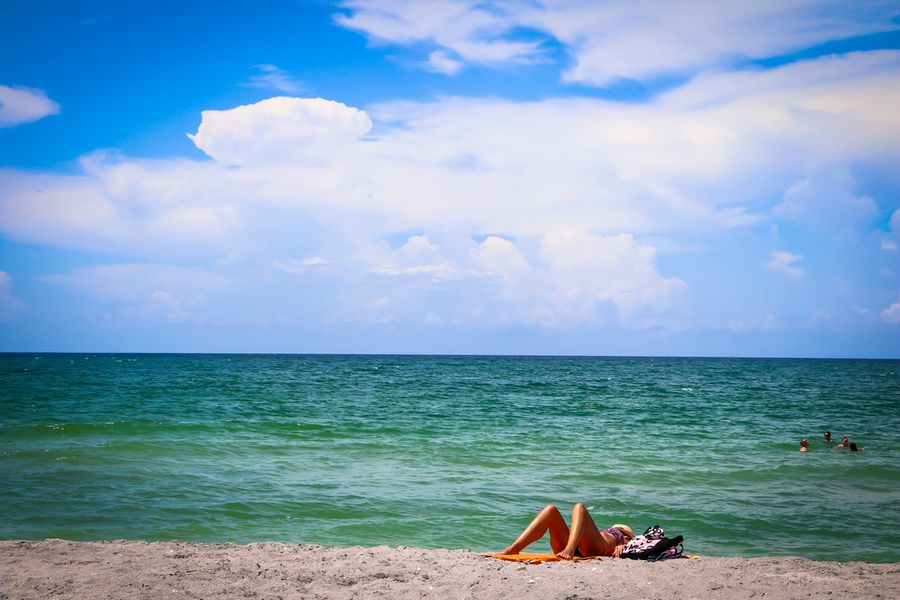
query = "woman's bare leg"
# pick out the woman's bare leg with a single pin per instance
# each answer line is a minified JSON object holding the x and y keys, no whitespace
{"x":584,"y":535}
{"x":549,"y":519}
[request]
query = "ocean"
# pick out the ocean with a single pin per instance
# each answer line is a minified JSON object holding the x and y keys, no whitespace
{"x":450,"y":451}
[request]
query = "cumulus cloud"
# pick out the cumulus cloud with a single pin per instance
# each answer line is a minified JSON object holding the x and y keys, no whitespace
{"x":541,"y":211}
{"x":609,"y":40}
{"x":783,"y":262}
{"x":24,"y":105}
{"x":278,"y":130}
{"x":499,"y":256}
{"x":147,"y":206}
{"x":588,"y":269}
{"x":417,"y":256}
{"x":673,"y":165}
{"x":577,"y":276}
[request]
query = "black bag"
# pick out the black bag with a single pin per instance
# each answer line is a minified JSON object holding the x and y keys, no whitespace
{"x":650,"y":545}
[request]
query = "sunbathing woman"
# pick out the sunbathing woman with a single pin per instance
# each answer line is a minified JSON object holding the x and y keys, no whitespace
{"x":583,"y":539}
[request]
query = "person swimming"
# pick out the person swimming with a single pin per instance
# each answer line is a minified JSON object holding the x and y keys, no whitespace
{"x":584,"y":538}
{"x":804,"y":445}
{"x":828,"y":439}
{"x":845,"y":441}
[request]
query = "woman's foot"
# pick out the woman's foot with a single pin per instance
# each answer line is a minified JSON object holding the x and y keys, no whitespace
{"x":566,"y":554}
{"x":511,"y":549}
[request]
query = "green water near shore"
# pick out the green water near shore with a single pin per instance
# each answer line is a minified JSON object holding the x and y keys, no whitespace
{"x":450,"y":451}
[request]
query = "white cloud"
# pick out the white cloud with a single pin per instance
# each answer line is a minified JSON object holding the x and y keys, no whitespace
{"x":9,"y":304}
{"x":154,"y":207}
{"x":473,"y":34}
{"x":24,"y":105}
{"x":417,"y":256}
{"x":272,"y":78}
{"x":783,"y":262}
{"x":892,"y":313}
{"x":618,"y":38}
{"x":440,"y":62}
{"x":418,"y":250}
{"x":498,"y":256}
{"x":278,"y":130}
{"x":675,"y":165}
{"x":589,"y":268}
{"x":577,"y":276}
{"x":563,"y":194}
{"x":640,"y":40}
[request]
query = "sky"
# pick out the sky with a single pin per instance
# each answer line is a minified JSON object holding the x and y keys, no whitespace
{"x":575,"y":177}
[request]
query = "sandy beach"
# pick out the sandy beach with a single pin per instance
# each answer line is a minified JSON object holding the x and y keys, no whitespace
{"x":126,"y":569}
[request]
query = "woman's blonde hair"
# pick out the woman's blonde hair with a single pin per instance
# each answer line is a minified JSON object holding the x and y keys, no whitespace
{"x":624,"y":529}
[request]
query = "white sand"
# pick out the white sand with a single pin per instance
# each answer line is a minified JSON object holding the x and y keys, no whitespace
{"x":122,"y":569}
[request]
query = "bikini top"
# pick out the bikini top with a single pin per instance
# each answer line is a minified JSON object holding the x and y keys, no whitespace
{"x":620,"y":537}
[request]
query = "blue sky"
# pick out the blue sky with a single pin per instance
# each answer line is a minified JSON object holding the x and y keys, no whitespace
{"x":540,"y":177}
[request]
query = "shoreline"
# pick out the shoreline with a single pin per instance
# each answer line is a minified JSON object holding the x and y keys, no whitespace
{"x":137,"y":569}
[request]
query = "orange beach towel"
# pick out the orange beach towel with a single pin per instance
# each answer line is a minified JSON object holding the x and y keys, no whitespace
{"x":533,"y":559}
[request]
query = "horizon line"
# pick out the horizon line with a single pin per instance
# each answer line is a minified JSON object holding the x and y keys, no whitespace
{"x":441,"y":354}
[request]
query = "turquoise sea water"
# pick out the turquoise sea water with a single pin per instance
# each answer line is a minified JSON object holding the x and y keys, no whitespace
{"x":450,"y":451}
